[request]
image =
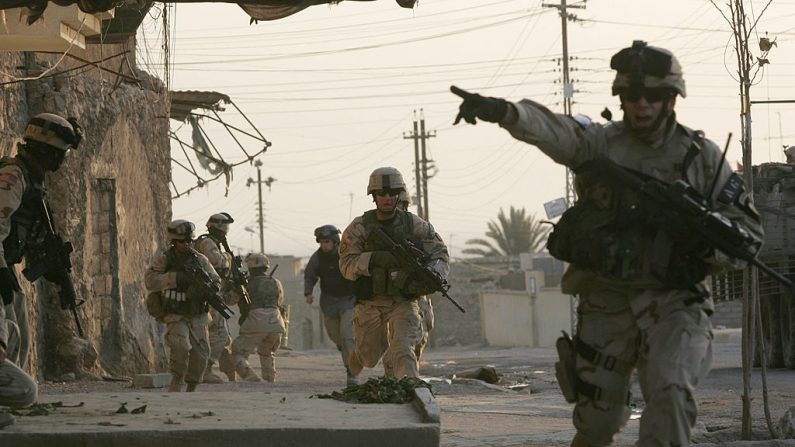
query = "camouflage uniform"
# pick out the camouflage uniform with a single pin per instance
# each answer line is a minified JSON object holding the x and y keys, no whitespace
{"x":187,"y":320}
{"x":387,"y":325}
{"x":634,"y":318}
{"x":220,"y":340}
{"x":15,"y":180}
{"x":665,"y":333}
{"x":17,"y":388}
{"x":426,"y":324}
{"x":262,"y":326}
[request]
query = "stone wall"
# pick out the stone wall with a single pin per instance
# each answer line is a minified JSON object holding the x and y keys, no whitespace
{"x":110,"y":199}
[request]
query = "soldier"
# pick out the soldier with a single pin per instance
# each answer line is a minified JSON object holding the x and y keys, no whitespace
{"x":424,"y":302}
{"x":336,"y":293}
{"x":184,"y":308}
{"x":261,"y":323}
{"x":48,"y":139}
{"x":210,"y":244}
{"x":386,"y":321}
{"x":636,"y":311}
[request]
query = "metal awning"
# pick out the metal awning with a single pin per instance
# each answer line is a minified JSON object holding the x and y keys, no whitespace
{"x":184,"y":102}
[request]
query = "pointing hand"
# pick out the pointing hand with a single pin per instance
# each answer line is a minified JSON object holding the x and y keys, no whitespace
{"x":476,"y":106}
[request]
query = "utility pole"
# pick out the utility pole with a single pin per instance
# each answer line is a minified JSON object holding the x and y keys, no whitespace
{"x":420,"y":165}
{"x":261,"y":219}
{"x":568,"y":87}
{"x":568,"y":92}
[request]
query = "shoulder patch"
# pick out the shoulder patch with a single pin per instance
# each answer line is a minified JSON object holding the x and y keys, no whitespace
{"x":8,"y":180}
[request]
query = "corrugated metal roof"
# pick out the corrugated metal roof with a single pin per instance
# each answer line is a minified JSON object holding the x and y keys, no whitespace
{"x":184,"y":102}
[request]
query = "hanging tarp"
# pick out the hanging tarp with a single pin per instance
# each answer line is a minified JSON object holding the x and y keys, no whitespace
{"x":213,"y":165}
{"x":257,"y":9}
{"x":279,"y":9}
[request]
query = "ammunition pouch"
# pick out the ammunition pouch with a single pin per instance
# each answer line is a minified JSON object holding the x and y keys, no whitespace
{"x":643,"y":244}
{"x":155,"y":306}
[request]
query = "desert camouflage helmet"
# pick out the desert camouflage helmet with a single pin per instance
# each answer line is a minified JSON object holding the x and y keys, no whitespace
{"x":54,"y":131}
{"x":329,"y":232}
{"x":404,"y":197}
{"x":220,"y":221}
{"x":790,"y":152}
{"x":385,"y":178}
{"x":257,"y":260}
{"x":645,"y":66}
{"x":181,"y":230}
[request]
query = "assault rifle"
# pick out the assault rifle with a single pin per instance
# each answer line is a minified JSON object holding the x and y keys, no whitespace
{"x":413,"y":258}
{"x":239,"y":276}
{"x":693,"y":212}
{"x":209,"y":288}
{"x":51,"y":259}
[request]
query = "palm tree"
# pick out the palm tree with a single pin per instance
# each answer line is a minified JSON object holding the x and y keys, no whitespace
{"x":511,"y":235}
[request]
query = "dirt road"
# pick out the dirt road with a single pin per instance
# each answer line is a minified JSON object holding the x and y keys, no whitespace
{"x":526,"y":409}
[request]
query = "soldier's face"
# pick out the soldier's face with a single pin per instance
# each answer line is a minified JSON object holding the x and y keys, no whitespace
{"x":181,"y":247}
{"x":642,"y":110}
{"x":326,"y":245}
{"x":386,"y":200}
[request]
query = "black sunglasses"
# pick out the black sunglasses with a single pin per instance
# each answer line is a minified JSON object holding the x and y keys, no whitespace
{"x":651,"y":94}
{"x":387,"y":192}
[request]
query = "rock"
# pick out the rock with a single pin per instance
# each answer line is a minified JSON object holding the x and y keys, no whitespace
{"x":485,"y":373}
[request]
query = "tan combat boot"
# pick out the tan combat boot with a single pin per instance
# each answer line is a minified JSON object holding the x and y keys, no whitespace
{"x":191,"y":387}
{"x":176,"y":384}
{"x":248,"y":374}
{"x":211,"y":377}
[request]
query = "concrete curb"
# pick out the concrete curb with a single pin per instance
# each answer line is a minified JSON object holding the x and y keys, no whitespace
{"x":426,"y":404}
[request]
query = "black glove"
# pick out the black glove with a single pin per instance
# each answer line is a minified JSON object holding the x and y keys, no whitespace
{"x":474,"y":106}
{"x":383,"y":259}
{"x":8,"y":284}
{"x":183,"y":281}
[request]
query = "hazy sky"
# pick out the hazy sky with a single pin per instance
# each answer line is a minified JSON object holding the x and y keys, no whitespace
{"x":334,"y":88}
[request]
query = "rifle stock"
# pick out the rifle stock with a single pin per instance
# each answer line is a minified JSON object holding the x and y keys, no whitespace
{"x":413,"y":258}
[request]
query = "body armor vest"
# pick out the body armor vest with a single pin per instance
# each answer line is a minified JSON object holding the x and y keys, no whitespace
{"x":194,"y":304}
{"x":614,"y":234}
{"x":331,"y":280}
{"x":27,"y":220}
{"x":400,"y":228}
{"x":264,"y":292}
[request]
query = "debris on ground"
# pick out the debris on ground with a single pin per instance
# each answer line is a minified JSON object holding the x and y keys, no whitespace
{"x":39,"y":409}
{"x":485,"y":373}
{"x":380,"y":390}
